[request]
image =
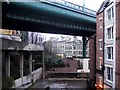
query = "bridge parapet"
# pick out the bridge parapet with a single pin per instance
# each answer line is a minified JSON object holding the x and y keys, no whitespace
{"x":71,"y":6}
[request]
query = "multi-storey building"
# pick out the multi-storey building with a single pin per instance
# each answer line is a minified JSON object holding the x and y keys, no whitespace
{"x":107,"y":45}
{"x":99,"y":46}
{"x":117,"y":44}
{"x":69,"y":48}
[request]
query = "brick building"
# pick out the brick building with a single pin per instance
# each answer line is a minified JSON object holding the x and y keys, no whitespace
{"x":107,"y":45}
{"x":92,"y":60}
{"x":117,"y":77}
{"x":99,"y":45}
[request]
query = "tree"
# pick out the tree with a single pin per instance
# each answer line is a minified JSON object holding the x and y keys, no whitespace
{"x":36,"y":38}
{"x":24,"y":36}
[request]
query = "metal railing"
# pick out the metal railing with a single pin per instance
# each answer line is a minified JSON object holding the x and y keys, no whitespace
{"x":70,"y":5}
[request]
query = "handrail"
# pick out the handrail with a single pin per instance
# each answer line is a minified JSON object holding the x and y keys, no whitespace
{"x":70,"y":5}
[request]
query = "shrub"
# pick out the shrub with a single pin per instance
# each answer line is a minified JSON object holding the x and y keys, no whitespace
{"x":7,"y":82}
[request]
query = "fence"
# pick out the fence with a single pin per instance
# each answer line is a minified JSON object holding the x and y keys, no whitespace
{"x":27,"y":80}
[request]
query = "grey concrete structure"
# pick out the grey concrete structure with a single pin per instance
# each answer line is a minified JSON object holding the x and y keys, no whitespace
{"x":31,"y":48}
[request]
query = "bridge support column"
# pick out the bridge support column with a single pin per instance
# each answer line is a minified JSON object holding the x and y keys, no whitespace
{"x":30,"y":64}
{"x":21,"y":66}
{"x":43,"y":75}
{"x":7,"y":64}
{"x":84,"y":46}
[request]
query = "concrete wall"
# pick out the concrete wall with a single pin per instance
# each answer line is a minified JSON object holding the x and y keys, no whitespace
{"x":27,"y":80}
{"x":11,"y":44}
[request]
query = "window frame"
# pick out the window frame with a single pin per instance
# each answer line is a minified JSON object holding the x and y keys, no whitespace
{"x":80,"y":64}
{"x":110,"y":13}
{"x":111,"y":53}
{"x":111,"y":74}
{"x":110,"y":33}
{"x":100,"y":24}
{"x":101,"y":62}
{"x":100,"y":44}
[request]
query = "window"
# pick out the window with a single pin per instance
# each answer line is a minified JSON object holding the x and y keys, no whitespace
{"x":100,"y":20}
{"x":74,"y":47}
{"x":74,"y":52}
{"x":100,"y":81}
{"x":80,"y":64}
{"x":110,"y":13}
{"x":100,"y":59}
{"x":110,"y":33}
{"x":100,"y":41}
{"x":109,"y":52}
{"x":109,"y":74}
{"x":100,"y":23}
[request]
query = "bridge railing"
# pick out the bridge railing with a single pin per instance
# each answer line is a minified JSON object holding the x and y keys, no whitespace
{"x":71,"y":5}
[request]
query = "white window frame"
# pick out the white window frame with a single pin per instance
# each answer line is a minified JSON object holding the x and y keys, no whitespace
{"x":107,"y":53}
{"x":111,"y":33}
{"x":100,"y":58}
{"x":100,"y":20}
{"x":111,"y":13}
{"x":107,"y":74}
{"x":100,"y":43}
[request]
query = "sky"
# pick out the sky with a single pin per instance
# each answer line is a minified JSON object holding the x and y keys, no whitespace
{"x":91,"y":4}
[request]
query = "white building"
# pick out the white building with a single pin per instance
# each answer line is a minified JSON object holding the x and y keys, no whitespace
{"x":109,"y":46}
{"x":69,"y":48}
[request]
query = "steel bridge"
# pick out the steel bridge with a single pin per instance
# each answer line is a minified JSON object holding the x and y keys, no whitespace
{"x":49,"y":16}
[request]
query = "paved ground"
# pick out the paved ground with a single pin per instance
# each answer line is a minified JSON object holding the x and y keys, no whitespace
{"x":60,"y":84}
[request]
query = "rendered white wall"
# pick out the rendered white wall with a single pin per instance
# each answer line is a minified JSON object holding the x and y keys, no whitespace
{"x":85,"y":66}
{"x":26,"y":82}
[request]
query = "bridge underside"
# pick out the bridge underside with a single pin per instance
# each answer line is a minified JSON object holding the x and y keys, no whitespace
{"x":20,"y":17}
{"x":43,"y":28}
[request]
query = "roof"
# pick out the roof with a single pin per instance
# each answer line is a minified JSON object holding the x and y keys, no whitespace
{"x":33,"y":47}
{"x":103,"y":6}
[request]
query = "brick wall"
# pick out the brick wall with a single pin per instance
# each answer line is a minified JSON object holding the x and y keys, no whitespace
{"x":92,"y":58}
{"x":117,"y":44}
{"x":99,"y":36}
{"x":72,"y":67}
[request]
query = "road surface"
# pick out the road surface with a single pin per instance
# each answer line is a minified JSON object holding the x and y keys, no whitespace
{"x":60,"y":84}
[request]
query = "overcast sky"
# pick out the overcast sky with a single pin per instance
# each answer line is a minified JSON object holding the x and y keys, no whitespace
{"x":91,"y":4}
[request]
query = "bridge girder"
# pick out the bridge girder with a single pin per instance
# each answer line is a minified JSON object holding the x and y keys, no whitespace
{"x":42,"y":17}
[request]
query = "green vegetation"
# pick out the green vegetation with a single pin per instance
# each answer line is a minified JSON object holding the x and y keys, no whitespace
{"x":7,"y":82}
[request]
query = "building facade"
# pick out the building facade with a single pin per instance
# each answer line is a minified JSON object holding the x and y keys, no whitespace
{"x":117,"y":77}
{"x":99,"y":49}
{"x":69,"y":48}
{"x":109,"y":46}
{"x":107,"y":39}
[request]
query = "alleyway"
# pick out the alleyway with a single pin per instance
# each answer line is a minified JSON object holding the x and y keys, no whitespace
{"x":60,"y":84}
